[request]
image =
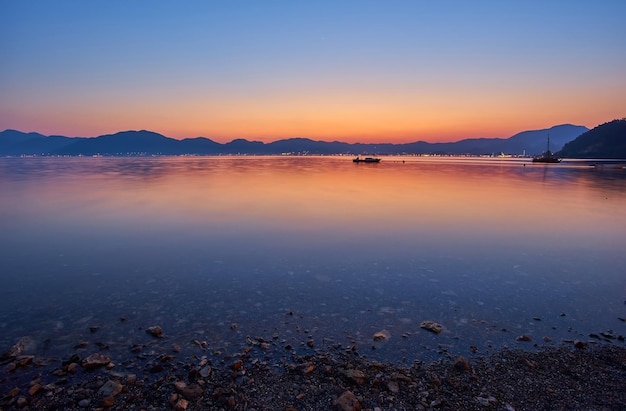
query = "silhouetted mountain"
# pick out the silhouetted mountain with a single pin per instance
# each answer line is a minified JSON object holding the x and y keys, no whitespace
{"x":123,"y":143}
{"x":11,"y":140}
{"x":149,"y":143}
{"x":608,"y":140}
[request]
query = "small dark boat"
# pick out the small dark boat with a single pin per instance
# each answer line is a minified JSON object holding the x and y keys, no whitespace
{"x":367,"y":160}
{"x":547,"y":156}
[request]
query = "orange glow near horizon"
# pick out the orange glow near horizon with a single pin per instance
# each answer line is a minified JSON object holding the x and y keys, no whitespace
{"x":348,"y":115}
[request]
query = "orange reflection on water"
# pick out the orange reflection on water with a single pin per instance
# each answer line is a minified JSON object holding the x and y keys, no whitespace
{"x":401,"y":199}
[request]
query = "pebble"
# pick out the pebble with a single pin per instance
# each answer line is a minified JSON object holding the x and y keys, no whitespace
{"x":356,"y":376}
{"x":181,"y":405}
{"x":84,"y":403}
{"x":22,"y":402}
{"x":486,"y":401}
{"x":461,"y":364}
{"x":110,"y":389}
{"x":108,"y":402}
{"x":95,"y":360}
{"x":34,"y":389}
{"x":190,"y":392}
{"x":348,"y":402}
{"x":525,"y":338}
{"x":205,"y":371}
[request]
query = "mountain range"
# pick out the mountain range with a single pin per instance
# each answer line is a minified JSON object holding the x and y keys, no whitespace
{"x":136,"y":143}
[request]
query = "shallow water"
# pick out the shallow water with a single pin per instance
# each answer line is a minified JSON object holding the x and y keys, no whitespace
{"x":298,"y":248}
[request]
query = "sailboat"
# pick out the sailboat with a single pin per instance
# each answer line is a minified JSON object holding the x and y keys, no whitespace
{"x":547,"y":156}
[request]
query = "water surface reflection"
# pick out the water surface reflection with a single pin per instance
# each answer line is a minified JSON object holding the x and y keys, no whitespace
{"x":291,"y":248}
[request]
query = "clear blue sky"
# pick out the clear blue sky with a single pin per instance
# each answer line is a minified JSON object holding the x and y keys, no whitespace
{"x":347,"y":70}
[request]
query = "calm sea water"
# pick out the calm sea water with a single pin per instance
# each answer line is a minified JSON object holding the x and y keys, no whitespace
{"x":292,"y":249}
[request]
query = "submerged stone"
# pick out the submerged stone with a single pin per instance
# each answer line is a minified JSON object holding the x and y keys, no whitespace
{"x":381,"y":335}
{"x":155,"y":331}
{"x":431,"y":326}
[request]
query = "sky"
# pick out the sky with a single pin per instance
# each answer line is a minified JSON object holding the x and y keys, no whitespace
{"x":353,"y":71}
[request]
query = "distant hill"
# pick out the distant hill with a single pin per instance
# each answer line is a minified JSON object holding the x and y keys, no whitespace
{"x":143,"y":142}
{"x":608,"y":140}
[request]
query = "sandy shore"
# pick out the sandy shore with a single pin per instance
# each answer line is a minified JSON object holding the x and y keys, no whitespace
{"x":555,"y":378}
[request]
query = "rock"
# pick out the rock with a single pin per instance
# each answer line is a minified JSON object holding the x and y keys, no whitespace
{"x":24,"y":360}
{"x":110,"y":389}
{"x":356,"y":376}
{"x":22,"y":402}
{"x":237,"y":365}
{"x":95,"y":360}
{"x":525,"y":338}
{"x":190,"y":392}
{"x":155,"y":331}
{"x":431,"y":326}
{"x":461,"y":364}
{"x":581,"y":345}
{"x":486,"y":401}
{"x":155,"y":368}
{"x":181,"y":405}
{"x":84,"y":403}
{"x":348,"y":402}
{"x":34,"y":389}
{"x":22,"y":346}
{"x":393,"y":386}
{"x":381,"y":335}
{"x":108,"y":402}
{"x":205,"y":371}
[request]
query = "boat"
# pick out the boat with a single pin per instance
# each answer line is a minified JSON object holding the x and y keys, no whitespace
{"x":547,"y":156}
{"x":367,"y":160}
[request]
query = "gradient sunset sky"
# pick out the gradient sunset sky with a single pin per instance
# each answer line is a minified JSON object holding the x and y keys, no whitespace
{"x":366,"y":71}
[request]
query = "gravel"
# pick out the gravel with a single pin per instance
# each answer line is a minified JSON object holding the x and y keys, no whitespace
{"x":552,"y":378}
